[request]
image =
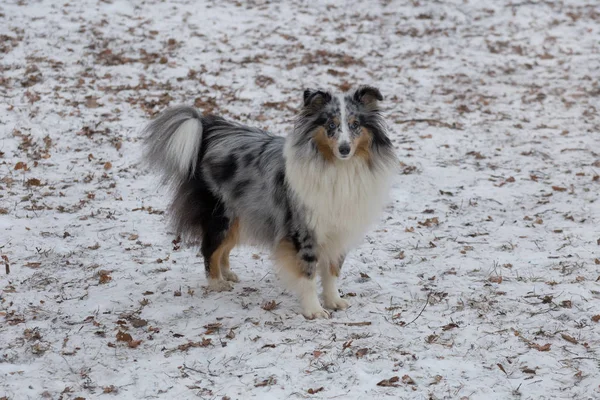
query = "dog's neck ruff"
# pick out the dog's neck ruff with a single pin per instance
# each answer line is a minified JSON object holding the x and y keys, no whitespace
{"x":341,"y":198}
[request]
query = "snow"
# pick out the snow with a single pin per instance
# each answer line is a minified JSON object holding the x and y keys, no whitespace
{"x":479,"y":282}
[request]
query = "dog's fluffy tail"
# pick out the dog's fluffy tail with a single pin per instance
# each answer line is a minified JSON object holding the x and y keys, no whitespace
{"x":173,"y":143}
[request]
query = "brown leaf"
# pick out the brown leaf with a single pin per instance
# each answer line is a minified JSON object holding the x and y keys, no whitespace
{"x":134,"y":343}
{"x":33,"y":182}
{"x":266,"y":382}
{"x":566,"y":304}
{"x":559,"y":188}
{"x":450,"y":326}
{"x":429,"y":222}
{"x":123,"y":337}
{"x":527,"y":370}
{"x":270,"y":305}
{"x":596,"y":318}
{"x":408,"y":380}
{"x":501,"y":368}
{"x":91,"y":102}
{"x":33,"y":264}
{"x":362,"y":352}
{"x":545,"y":347}
{"x":389,"y":382}
{"x":495,"y":279}
{"x":568,"y":338}
{"x":104,"y":276}
{"x":315,"y":391}
{"x":204,"y":343}
{"x":20,"y":165}
{"x":107,"y":165}
{"x":138,"y":323}
{"x":109,"y":389}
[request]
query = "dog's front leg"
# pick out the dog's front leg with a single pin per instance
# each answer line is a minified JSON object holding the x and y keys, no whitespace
{"x":296,"y":260}
{"x":330,"y":271}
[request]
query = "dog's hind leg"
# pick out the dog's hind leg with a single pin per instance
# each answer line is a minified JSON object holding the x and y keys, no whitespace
{"x":229,"y":243}
{"x":219,"y":237}
{"x":296,"y":266}
{"x":330,"y":272}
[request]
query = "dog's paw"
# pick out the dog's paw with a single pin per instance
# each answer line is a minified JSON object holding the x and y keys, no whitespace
{"x":316,"y":313}
{"x":230,"y":276}
{"x":336,"y":303}
{"x":219,"y":285}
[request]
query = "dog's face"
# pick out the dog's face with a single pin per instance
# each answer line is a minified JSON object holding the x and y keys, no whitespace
{"x":343,"y":126}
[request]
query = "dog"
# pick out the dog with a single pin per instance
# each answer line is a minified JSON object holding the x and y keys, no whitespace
{"x":309,"y":198}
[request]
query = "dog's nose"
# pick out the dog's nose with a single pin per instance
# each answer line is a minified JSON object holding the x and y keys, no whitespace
{"x":344,"y":149}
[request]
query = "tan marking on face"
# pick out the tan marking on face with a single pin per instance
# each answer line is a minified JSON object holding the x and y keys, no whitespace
{"x":325,"y":144}
{"x":286,"y":257}
{"x":220,"y":258}
{"x":363,"y":144}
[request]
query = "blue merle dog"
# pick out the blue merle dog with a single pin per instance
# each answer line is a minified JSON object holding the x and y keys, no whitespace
{"x":309,"y":197}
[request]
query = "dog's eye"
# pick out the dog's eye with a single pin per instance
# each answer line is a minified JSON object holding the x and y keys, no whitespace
{"x":354,"y":125}
{"x":332,"y":125}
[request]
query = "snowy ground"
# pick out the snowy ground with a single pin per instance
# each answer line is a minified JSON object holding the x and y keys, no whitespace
{"x":480,"y":281}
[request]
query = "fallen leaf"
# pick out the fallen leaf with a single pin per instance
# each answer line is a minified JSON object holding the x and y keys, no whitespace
{"x":270,"y":305}
{"x":389,"y":382}
{"x":315,"y":391}
{"x":266,"y":382}
{"x":123,"y":337}
{"x":501,"y":368}
{"x":408,"y":380}
{"x":569,"y":338}
{"x":545,"y":347}
{"x":104,"y":276}
{"x":107,"y":165}
{"x":109,"y":389}
{"x":362,"y":352}
{"x":527,"y":370}
{"x":451,"y":325}
{"x":33,"y":182}
{"x":559,"y":188}
{"x":596,"y":318}
{"x":138,"y":323}
{"x":495,"y":279}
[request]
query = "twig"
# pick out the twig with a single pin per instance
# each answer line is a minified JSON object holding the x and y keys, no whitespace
{"x":417,"y":317}
{"x":430,"y":121}
{"x":364,"y":323}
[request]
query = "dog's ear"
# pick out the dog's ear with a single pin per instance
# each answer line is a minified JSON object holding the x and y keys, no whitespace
{"x":367,"y":95}
{"x":316,"y":99}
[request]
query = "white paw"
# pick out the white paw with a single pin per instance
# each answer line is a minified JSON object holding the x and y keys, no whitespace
{"x":219,"y":285}
{"x":336,"y":303}
{"x":316,"y":313}
{"x":230,"y":276}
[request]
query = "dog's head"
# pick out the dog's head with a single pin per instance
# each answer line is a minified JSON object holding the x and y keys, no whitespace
{"x":342,"y":126}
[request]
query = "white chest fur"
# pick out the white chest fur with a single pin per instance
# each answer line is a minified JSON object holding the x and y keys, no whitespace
{"x":342,"y":199}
